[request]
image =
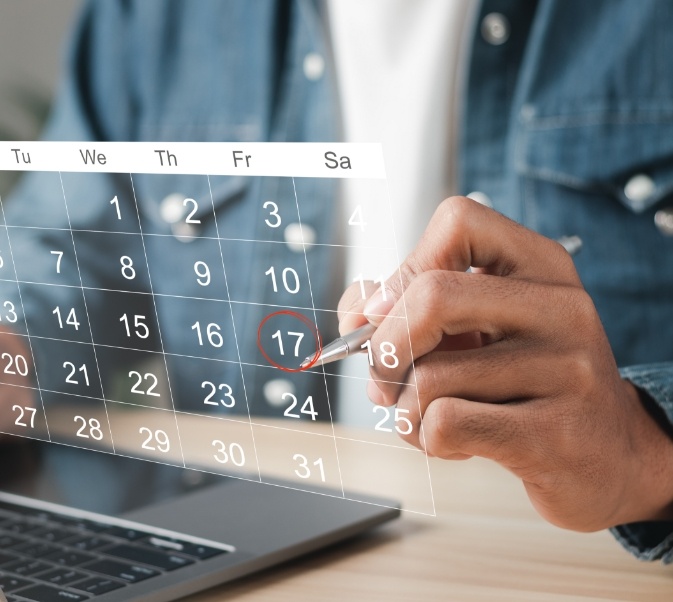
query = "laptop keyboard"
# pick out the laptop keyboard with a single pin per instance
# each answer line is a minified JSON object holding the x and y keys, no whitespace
{"x":49,"y":557}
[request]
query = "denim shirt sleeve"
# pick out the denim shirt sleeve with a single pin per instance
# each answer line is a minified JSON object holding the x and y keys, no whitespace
{"x":650,"y":540}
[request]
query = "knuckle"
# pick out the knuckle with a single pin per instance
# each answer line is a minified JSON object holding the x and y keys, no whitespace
{"x":583,"y":311}
{"x":444,"y":414}
{"x":454,"y":217}
{"x":458,"y":208}
{"x":563,"y":262}
{"x":492,"y":433}
{"x":408,"y":272}
{"x":439,"y":427}
{"x":447,"y":428}
{"x":455,"y":213}
{"x":583,"y":370}
{"x":428,"y":380}
{"x":431,"y":289}
{"x":561,"y":254}
{"x":554,"y":431}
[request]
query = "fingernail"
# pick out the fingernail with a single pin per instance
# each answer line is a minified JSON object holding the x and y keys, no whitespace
{"x":378,"y":308}
{"x":374,"y":393}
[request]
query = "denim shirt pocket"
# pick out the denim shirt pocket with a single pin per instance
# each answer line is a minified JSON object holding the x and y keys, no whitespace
{"x":626,"y":154}
{"x":604,"y":176}
{"x":211,"y":193}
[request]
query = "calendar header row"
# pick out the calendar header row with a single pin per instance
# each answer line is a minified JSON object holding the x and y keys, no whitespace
{"x":289,"y":159}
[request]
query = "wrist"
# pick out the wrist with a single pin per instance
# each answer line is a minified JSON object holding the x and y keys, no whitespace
{"x":649,"y":486}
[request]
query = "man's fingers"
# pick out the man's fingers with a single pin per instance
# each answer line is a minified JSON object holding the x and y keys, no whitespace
{"x":493,"y":374}
{"x":499,"y":432}
{"x":496,"y":373}
{"x":463,"y":234}
{"x":351,"y":304}
{"x":450,"y":303}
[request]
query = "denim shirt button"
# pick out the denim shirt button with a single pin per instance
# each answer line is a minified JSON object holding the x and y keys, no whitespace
{"x":184,"y":232}
{"x":172,"y":207}
{"x":495,"y":29}
{"x":276,"y":390}
{"x":299,"y":237}
{"x":527,"y":112}
{"x":481,"y":197}
{"x":663,"y":220}
{"x":314,"y":66}
{"x":639,"y":188}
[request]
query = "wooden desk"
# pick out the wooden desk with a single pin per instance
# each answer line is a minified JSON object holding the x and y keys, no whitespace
{"x":485,"y":544}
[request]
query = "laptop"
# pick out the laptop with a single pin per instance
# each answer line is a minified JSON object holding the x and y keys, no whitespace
{"x":78,"y":525}
{"x":78,"y":522}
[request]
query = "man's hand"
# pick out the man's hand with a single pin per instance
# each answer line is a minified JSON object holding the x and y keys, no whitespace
{"x":512,"y":363}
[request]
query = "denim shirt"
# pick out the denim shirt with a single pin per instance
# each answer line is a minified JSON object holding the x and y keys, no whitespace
{"x":559,"y":118}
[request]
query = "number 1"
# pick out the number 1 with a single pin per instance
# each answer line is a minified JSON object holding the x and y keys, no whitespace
{"x":115,"y":202}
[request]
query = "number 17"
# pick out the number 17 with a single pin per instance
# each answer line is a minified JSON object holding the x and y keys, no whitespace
{"x":279,"y":336}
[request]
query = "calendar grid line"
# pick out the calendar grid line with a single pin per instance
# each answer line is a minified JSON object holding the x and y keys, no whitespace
{"x":43,"y":390}
{"x":190,"y":298}
{"x":31,"y":438}
{"x":226,"y":418}
{"x":86,"y":311}
{"x":367,"y":442}
{"x":231,"y":476}
{"x":233,"y":324}
{"x":421,"y":433}
{"x":315,"y":321}
{"x":167,"y":267}
{"x":156,"y":315}
{"x":253,"y":423}
{"x":23,"y":311}
{"x":217,"y":238}
{"x":199,"y":357}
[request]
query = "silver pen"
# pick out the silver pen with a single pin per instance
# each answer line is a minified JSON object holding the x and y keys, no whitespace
{"x":351,"y":343}
{"x":342,"y":347}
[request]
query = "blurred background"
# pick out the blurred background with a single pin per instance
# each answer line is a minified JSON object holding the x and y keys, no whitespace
{"x":33,"y":35}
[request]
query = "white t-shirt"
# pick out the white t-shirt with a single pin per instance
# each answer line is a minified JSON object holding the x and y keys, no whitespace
{"x":397,"y":64}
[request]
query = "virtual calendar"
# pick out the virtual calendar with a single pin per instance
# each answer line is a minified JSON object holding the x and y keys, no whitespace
{"x":157,"y":300}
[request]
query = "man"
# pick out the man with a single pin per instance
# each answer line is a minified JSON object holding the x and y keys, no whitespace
{"x":565,"y":130}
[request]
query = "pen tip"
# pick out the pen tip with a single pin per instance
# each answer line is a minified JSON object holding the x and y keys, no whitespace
{"x":305,"y":363}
